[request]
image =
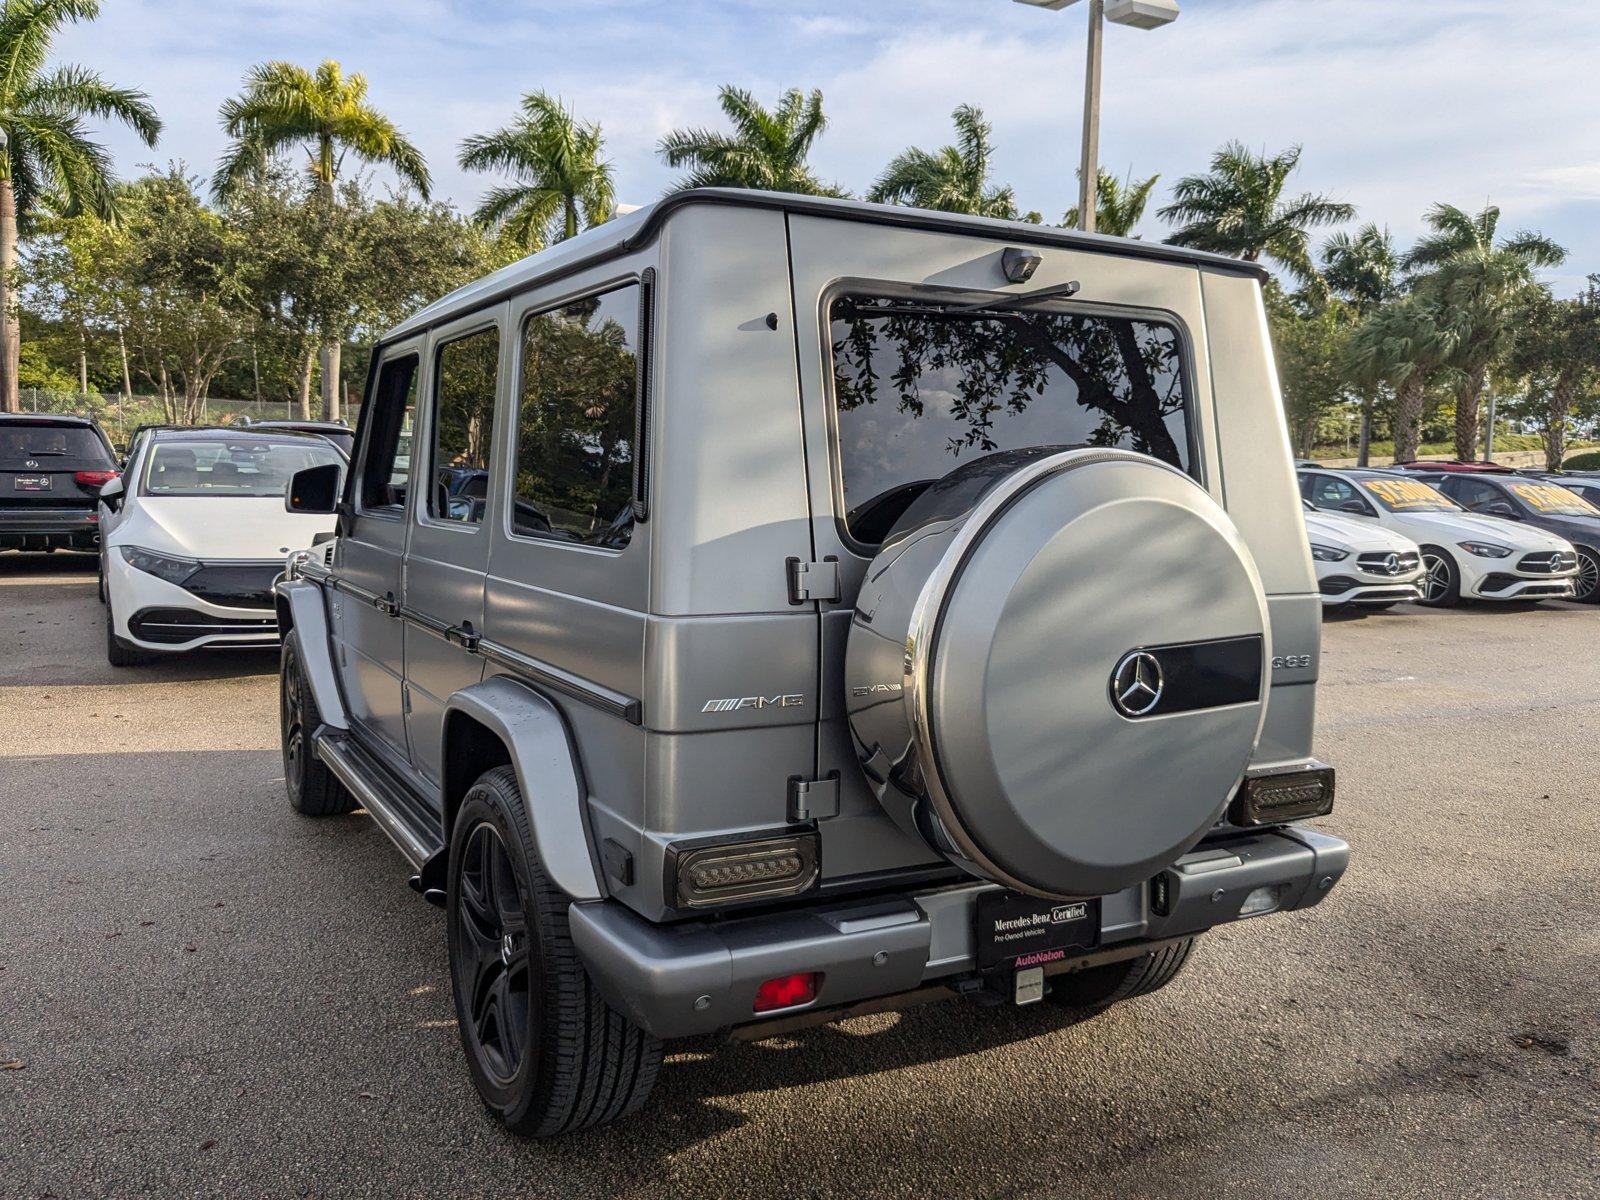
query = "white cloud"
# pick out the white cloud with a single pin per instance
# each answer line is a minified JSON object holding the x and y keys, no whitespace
{"x":1398,"y":105}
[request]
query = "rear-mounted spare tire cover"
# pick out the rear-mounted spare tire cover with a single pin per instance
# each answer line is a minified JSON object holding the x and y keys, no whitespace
{"x":1056,"y":669}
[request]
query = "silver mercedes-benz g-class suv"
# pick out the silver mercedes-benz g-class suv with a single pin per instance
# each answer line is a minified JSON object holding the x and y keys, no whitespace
{"x":763,"y":609}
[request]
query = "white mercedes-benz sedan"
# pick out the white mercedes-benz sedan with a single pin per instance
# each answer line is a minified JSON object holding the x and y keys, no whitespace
{"x":1360,"y":563}
{"x":1465,"y":556}
{"x":196,"y":534}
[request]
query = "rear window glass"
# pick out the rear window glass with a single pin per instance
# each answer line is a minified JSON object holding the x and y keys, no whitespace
{"x":231,"y":468}
{"x":922,"y":389}
{"x":49,"y":447}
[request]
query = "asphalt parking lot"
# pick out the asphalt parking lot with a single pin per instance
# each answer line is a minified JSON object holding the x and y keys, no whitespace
{"x":202,"y":994}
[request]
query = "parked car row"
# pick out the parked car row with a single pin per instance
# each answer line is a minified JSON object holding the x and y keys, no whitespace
{"x":1456,"y":531}
{"x":190,"y":526}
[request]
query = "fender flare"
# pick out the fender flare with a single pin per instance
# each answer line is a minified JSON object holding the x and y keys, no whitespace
{"x":301,"y":607}
{"x":535,"y":735}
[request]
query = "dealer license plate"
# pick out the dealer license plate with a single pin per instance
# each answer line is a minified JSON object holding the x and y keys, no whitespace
{"x":1014,"y":930}
{"x":31,"y":483}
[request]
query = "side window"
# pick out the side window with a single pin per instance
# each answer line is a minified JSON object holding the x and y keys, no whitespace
{"x":1471,"y":493}
{"x":577,"y":418}
{"x":463,"y":426}
{"x":386,"y":467}
{"x":1330,"y":492}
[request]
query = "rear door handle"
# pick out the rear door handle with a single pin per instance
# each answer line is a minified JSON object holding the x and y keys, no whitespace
{"x":464,"y":636}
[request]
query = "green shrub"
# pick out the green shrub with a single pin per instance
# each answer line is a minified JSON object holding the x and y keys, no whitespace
{"x":1588,"y":461}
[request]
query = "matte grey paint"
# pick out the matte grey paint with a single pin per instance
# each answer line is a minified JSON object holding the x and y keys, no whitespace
{"x":677,"y":981}
{"x":1005,"y":604}
{"x":307,"y":613}
{"x":552,"y":791}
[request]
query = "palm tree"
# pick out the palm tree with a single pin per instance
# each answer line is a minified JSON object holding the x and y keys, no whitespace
{"x":328,"y":114}
{"x":952,"y":178}
{"x":1404,"y":344}
{"x":1238,"y":208}
{"x":47,"y":159}
{"x":1477,"y":278}
{"x":562,"y":183}
{"x":1362,"y":269}
{"x":767,"y":150}
{"x":1119,"y":204}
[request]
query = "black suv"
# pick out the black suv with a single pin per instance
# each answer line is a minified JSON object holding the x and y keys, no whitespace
{"x":51,"y":472}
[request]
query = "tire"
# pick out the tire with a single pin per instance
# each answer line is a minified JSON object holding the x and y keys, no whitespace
{"x":1098,"y":988}
{"x":119,"y":653}
{"x":1587,"y":584}
{"x":547,"y":1054}
{"x":314,"y":791}
{"x":1441,"y":581}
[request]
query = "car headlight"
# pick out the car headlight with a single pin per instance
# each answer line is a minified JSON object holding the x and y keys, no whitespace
{"x":1486,"y":549}
{"x":162,"y":566}
{"x":1328,"y":553}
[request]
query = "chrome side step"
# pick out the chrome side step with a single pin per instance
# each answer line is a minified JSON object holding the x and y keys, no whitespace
{"x":396,"y":814}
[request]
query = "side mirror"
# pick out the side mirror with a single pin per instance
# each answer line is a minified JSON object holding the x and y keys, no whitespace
{"x":1354,"y":506}
{"x":314,"y":490}
{"x":1499,"y":508}
{"x":111,"y":492}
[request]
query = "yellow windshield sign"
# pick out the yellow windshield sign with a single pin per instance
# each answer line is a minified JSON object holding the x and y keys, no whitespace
{"x":1551,"y":499}
{"x":1403,"y":493}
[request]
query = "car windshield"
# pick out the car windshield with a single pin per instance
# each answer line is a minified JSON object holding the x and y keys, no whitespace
{"x":923,"y":388}
{"x":1409,"y":495}
{"x":1553,"y":500}
{"x":25,"y":445}
{"x":218,"y":467}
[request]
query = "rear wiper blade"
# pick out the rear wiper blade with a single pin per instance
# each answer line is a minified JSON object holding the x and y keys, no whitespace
{"x":1005,"y":303}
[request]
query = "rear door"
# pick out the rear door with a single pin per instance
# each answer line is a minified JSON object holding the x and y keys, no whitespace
{"x":885,"y":409}
{"x":368,"y":637}
{"x":447,"y":557}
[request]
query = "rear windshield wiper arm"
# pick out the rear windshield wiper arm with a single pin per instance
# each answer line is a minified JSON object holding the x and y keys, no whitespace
{"x":1005,"y":303}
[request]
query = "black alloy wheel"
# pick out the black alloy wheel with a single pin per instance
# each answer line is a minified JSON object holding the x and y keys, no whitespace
{"x":492,"y":961}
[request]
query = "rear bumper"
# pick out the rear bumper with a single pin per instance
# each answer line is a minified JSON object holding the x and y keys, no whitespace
{"x":682,"y":980}
{"x":52,"y":526}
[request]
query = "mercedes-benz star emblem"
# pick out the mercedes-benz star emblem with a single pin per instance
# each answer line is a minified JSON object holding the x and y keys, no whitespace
{"x":1137,"y":683}
{"x":1392,"y":564}
{"x":32,"y":462}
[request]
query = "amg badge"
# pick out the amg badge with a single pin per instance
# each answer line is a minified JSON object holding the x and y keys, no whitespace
{"x":734,"y":704}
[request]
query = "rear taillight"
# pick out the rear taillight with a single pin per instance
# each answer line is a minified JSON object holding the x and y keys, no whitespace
{"x":787,"y":991}
{"x":94,"y":479}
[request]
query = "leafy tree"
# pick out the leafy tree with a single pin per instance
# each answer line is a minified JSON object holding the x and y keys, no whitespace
{"x":1238,"y":208}
{"x":1555,"y":349}
{"x":1478,"y":278}
{"x":328,"y":115}
{"x":1405,"y":344}
{"x":48,"y":158}
{"x":1363,"y":271}
{"x":766,"y":151}
{"x":952,"y":178}
{"x":562,"y":182}
{"x":1312,"y":351}
{"x":1119,"y":204}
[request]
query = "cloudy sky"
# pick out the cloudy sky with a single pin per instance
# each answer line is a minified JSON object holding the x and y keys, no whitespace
{"x":1398,"y":103}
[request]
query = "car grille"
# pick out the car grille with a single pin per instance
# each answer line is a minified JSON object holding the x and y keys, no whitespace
{"x":1337,"y":585}
{"x":174,"y":626}
{"x":1389,"y":564}
{"x":1550,"y":562}
{"x":247,"y":585}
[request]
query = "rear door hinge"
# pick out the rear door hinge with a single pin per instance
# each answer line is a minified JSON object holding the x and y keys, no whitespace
{"x":814,"y":799}
{"x":813,"y":581}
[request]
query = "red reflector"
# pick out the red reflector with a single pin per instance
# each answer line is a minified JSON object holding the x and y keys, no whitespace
{"x":94,"y":478}
{"x":787,"y":991}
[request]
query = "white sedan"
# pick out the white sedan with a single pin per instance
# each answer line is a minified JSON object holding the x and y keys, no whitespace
{"x":199,"y":533}
{"x":1361,"y":563}
{"x":1464,"y":555}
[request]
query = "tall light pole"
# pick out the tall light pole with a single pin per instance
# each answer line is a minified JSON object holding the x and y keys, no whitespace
{"x":1141,"y":14}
